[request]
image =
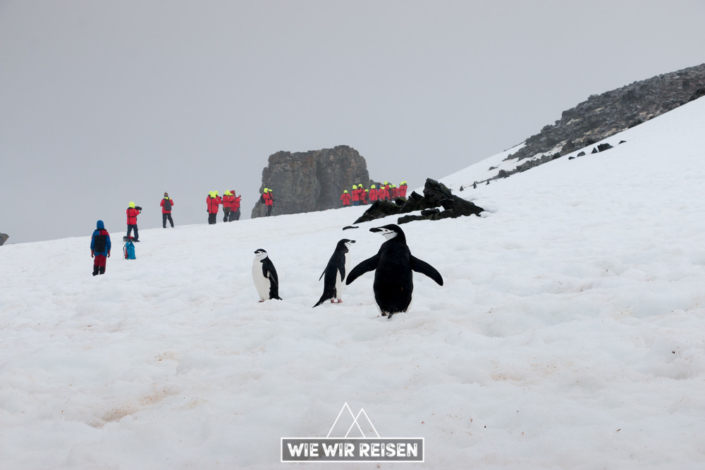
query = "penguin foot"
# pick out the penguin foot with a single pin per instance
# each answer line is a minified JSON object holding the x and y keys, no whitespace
{"x":261,"y":301}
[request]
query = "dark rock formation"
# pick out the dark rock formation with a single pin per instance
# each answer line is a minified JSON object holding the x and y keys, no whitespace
{"x":603,"y":147}
{"x":435,"y":195}
{"x":604,"y":115}
{"x":3,"y":238}
{"x":311,"y":181}
{"x":581,"y":154}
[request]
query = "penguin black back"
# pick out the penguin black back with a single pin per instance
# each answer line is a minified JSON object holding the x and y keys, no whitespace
{"x":334,"y":268}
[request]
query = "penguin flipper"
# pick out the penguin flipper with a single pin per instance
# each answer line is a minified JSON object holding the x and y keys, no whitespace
{"x":424,"y":268}
{"x":362,"y":268}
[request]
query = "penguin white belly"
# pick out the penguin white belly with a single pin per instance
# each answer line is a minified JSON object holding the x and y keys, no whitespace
{"x":340,"y":282}
{"x":261,"y":282}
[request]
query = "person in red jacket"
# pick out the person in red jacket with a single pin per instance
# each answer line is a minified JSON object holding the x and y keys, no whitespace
{"x":345,"y":198}
{"x":228,"y":199}
{"x":395,"y":191}
{"x":212,"y":202}
{"x":167,"y":203}
{"x":132,"y":213}
{"x":268,"y":198}
{"x":362,"y":194}
{"x":382,"y":194}
{"x":402,"y":189}
{"x":235,"y":207}
{"x":373,"y":194}
{"x":355,"y":196}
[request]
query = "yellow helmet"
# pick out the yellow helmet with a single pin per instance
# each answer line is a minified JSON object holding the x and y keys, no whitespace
{"x":131,"y":205}
{"x":354,"y":186}
{"x":345,"y":191}
{"x":386,"y":182}
{"x":373,"y":186}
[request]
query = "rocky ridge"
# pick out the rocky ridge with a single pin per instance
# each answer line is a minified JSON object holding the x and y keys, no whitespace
{"x":604,"y":115}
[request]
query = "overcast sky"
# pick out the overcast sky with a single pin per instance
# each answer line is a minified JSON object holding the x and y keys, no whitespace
{"x":107,"y":102}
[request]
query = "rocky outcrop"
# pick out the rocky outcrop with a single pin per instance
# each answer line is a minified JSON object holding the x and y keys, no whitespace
{"x":435,"y":195}
{"x":604,"y":115}
{"x":311,"y":181}
{"x":3,"y":238}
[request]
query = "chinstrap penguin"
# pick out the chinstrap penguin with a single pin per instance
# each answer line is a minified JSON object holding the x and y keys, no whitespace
{"x":393,"y":265}
{"x":335,"y":272}
{"x":265,"y":276}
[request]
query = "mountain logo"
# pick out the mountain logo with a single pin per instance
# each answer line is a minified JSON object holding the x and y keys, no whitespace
{"x":355,"y":439}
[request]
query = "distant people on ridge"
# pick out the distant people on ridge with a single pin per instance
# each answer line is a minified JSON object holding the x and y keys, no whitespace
{"x":212,"y":202}
{"x":268,"y":199}
{"x":228,"y":200}
{"x":100,"y":248}
{"x":167,"y":203}
{"x":402,"y":189}
{"x":132,"y":213}
{"x":235,"y":206}
{"x":345,"y":197}
{"x":373,"y":194}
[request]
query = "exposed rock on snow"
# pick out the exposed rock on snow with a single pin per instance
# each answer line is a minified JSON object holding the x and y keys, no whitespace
{"x":311,"y":181}
{"x":435,"y":195}
{"x":3,"y":238}
{"x":602,"y":116}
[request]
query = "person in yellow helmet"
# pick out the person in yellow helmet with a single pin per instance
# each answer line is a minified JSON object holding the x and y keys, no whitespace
{"x":132,"y":212}
{"x":373,"y":194}
{"x":345,"y":197}
{"x":268,"y":199}
{"x":402,"y":189}
{"x":355,"y":196}
{"x":212,"y":203}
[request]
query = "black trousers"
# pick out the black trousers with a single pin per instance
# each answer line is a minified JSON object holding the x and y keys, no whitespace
{"x":269,"y":210}
{"x":226,"y":215}
{"x":212,"y":218}
{"x":237,"y":214}
{"x":234,"y":215}
{"x":130,"y":228}
{"x":166,"y":217}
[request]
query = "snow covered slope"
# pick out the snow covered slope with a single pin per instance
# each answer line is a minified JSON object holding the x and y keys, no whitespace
{"x":570,"y":332}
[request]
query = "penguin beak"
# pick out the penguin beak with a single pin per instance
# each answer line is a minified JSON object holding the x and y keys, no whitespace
{"x":375,"y":230}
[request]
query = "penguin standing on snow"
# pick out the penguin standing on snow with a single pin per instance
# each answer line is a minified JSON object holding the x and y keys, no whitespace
{"x":265,"y":276}
{"x":335,"y":272}
{"x":393,"y":266}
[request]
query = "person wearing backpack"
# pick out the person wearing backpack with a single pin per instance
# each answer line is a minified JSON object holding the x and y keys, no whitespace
{"x":132,"y":212}
{"x":268,"y":199}
{"x":100,"y":248}
{"x":167,"y":204}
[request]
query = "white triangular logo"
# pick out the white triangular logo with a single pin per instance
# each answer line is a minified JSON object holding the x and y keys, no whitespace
{"x":355,"y":426}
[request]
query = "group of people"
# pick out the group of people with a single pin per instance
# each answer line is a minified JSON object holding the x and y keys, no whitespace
{"x":231,"y":206}
{"x":362,"y":196}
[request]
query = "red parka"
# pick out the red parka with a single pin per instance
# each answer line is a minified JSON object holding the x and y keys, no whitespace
{"x":345,"y":198}
{"x":132,"y":216}
{"x":236,"y":201}
{"x":395,"y":193}
{"x":228,"y":201}
{"x":164,"y":211}
{"x":268,"y":198}
{"x":213,"y":203}
{"x":402,"y":190}
{"x":373,"y":194}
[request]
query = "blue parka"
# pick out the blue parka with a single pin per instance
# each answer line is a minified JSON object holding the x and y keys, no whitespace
{"x":100,"y":231}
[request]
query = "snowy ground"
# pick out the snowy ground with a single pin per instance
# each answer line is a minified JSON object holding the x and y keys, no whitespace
{"x":570,"y":332}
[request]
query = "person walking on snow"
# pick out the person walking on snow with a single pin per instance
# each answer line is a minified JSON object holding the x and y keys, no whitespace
{"x":167,"y":203}
{"x":355,"y":196}
{"x":345,"y":198}
{"x":212,"y":203}
{"x":132,"y":213}
{"x":363,"y":194}
{"x":100,"y":248}
{"x":228,"y":199}
{"x":268,"y":198}
{"x":235,"y":207}
{"x":402,"y":189}
{"x":373,"y":194}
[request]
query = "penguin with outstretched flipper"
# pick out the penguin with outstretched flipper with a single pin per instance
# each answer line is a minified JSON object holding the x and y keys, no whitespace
{"x":335,"y":272}
{"x":265,"y":276}
{"x":393,"y":265}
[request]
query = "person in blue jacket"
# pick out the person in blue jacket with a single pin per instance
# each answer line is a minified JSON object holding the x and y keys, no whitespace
{"x":100,"y":248}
